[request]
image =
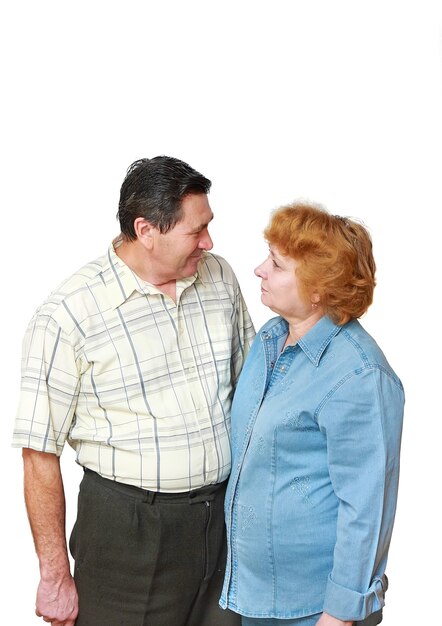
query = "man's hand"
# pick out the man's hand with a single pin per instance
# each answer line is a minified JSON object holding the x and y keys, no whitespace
{"x":57,"y":603}
{"x":328,"y":620}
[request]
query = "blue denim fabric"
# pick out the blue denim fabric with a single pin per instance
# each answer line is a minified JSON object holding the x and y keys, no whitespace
{"x":311,"y":499}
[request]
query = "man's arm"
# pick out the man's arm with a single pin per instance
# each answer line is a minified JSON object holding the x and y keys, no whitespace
{"x":57,"y":599}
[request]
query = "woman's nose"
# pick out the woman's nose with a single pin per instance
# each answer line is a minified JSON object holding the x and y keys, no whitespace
{"x":259,"y":271}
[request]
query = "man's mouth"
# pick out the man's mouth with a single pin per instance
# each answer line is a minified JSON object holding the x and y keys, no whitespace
{"x":198,"y":256}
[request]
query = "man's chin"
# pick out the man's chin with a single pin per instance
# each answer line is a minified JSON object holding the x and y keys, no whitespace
{"x":191,"y":267}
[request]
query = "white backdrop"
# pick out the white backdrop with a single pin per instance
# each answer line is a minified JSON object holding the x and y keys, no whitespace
{"x":334,"y":101}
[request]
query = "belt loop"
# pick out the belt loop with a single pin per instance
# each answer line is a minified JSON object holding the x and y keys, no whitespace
{"x":150,"y":496}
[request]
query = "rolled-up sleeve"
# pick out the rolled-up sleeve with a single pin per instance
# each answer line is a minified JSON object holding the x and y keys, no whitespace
{"x":362,"y":423}
{"x":49,"y":387}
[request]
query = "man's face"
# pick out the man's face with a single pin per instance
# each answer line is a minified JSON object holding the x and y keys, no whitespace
{"x":179,"y":251}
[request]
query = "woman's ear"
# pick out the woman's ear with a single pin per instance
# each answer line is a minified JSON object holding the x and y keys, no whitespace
{"x":315,"y":298}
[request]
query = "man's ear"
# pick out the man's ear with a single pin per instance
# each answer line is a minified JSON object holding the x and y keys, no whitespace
{"x":144,"y":231}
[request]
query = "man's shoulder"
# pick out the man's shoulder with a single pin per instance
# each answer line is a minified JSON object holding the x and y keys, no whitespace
{"x":74,"y":287}
{"x":215,"y":267}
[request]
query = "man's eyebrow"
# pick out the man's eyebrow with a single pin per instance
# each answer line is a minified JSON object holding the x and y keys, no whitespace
{"x":201,"y":226}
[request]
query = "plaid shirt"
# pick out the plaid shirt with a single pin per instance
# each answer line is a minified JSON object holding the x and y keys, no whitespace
{"x":138,"y":385}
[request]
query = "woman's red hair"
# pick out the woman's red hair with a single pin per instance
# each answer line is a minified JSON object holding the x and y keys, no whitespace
{"x":334,"y":257}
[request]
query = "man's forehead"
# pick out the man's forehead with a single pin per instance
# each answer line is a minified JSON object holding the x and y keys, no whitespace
{"x":205,"y":221}
{"x":196,"y":211}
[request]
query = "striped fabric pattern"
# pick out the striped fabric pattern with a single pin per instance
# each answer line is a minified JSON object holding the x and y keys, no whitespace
{"x":138,"y":385}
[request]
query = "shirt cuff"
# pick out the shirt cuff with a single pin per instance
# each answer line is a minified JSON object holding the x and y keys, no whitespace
{"x":346,"y":604}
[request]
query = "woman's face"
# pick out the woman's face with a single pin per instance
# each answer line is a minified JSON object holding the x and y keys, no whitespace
{"x":279,"y":287}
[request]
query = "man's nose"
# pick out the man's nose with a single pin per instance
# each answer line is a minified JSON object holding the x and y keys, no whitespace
{"x":206,"y":242}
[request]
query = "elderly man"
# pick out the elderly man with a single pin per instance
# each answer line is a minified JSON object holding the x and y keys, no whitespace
{"x":133,"y":361}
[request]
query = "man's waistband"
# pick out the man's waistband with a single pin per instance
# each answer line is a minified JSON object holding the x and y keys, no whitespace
{"x":195,"y":496}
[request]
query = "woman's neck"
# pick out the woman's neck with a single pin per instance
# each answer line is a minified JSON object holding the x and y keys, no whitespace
{"x":298,"y":328}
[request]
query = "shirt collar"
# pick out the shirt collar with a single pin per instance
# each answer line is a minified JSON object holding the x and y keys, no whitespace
{"x":124,"y":281}
{"x":313,"y":343}
{"x":317,"y":339}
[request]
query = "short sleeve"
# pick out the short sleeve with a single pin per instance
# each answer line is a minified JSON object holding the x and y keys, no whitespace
{"x":49,"y":387}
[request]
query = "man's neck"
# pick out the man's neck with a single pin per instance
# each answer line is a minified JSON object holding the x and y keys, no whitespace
{"x":134,"y":258}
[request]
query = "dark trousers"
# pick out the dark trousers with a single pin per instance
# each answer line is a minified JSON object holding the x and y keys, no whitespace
{"x":371,"y":620}
{"x":148,"y":559}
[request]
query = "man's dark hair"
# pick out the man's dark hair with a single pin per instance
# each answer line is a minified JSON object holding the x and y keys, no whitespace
{"x":154,"y":189}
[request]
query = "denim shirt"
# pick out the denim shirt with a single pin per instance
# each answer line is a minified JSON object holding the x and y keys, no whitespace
{"x":312,"y":495}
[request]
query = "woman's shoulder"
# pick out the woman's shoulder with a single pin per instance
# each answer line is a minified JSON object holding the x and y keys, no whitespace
{"x":366,"y":347}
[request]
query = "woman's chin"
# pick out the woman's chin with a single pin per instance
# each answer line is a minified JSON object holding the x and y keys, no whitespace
{"x":266,"y":303}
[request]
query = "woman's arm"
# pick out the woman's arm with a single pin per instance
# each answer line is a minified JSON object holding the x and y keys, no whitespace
{"x":362,"y":422}
{"x":328,"y":620}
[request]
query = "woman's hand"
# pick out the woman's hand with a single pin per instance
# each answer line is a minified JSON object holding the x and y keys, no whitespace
{"x":329,"y":620}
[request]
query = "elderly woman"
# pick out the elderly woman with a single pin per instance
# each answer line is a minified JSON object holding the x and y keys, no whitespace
{"x":316,"y":429}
